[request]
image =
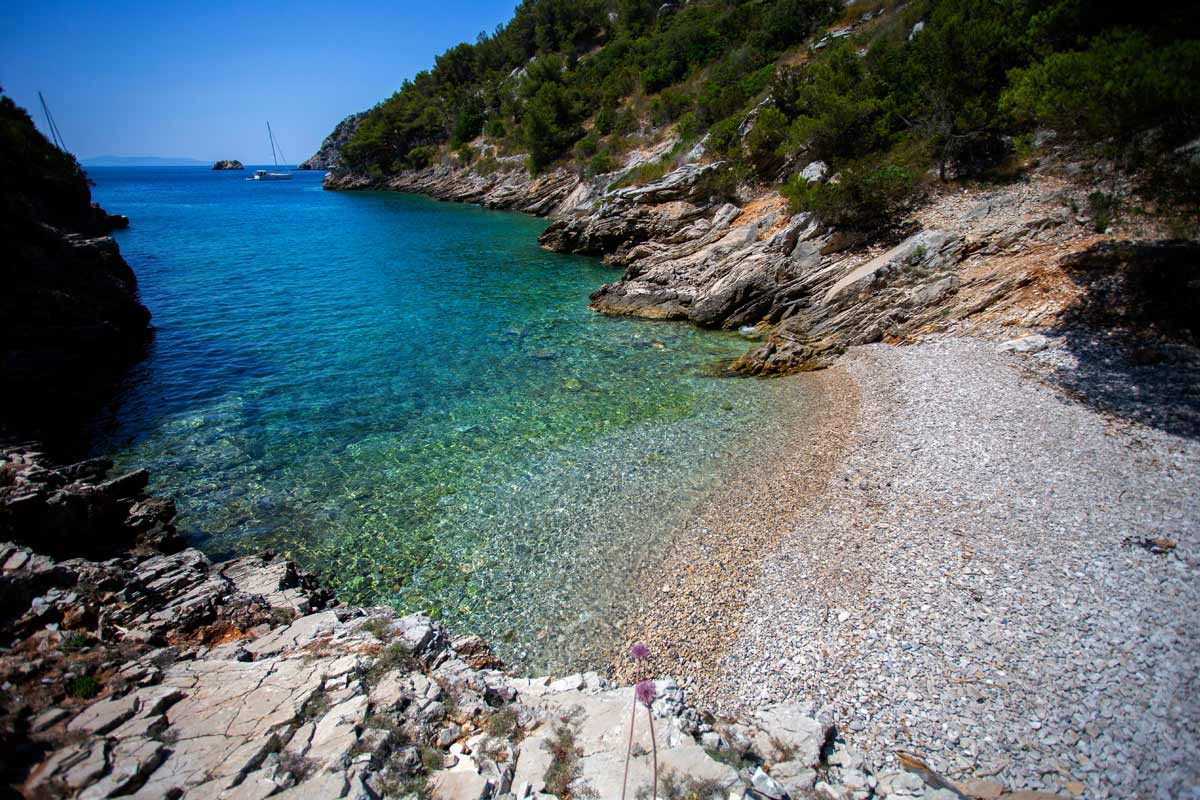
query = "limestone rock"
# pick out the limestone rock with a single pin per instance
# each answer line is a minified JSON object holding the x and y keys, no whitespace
{"x":228,"y":164}
{"x":789,"y":733}
{"x":329,"y":155}
{"x":815,"y":171}
{"x":1034,"y":343}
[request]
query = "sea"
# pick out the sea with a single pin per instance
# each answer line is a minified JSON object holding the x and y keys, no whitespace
{"x":412,"y":398}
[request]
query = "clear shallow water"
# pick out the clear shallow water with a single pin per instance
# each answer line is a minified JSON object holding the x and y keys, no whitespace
{"x":412,"y":398}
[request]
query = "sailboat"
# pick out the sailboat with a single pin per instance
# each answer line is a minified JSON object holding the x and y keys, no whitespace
{"x":262,"y":174}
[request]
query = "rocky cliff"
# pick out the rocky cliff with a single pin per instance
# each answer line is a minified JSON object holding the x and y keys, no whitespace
{"x":228,"y":164}
{"x":70,"y":319}
{"x":136,"y":667}
{"x":329,"y":156}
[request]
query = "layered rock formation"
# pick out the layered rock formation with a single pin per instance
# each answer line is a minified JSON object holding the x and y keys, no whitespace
{"x":329,"y":155}
{"x":228,"y":164}
{"x":693,"y":248}
{"x":70,"y":319}
{"x":157,"y":673}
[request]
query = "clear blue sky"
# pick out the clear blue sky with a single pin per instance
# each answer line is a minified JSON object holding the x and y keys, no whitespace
{"x":200,"y":79}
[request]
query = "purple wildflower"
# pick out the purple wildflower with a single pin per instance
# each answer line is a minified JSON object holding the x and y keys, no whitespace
{"x":645,"y":692}
{"x":639,"y":652}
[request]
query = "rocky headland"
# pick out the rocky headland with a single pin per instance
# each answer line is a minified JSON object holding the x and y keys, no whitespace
{"x":71,"y":322}
{"x":228,"y":164}
{"x":329,"y":155}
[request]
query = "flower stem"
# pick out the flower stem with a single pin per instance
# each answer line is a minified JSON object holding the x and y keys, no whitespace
{"x":629,"y":750}
{"x":654,"y":750}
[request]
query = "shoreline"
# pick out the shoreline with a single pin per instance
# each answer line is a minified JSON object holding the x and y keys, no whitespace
{"x":718,"y":552}
{"x":878,"y":590}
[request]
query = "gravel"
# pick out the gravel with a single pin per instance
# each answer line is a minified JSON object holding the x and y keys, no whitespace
{"x":979,"y":583}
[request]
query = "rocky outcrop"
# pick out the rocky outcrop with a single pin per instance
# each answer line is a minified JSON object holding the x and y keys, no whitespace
{"x":817,"y":290}
{"x":330,"y":155}
{"x":78,"y":510}
{"x":70,"y":319}
{"x":228,"y":164}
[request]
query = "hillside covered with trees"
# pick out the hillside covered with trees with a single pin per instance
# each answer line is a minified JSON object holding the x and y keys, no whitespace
{"x":885,"y":93}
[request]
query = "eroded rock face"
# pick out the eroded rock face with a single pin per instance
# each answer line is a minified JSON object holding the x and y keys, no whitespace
{"x":509,"y":186}
{"x":228,"y":690}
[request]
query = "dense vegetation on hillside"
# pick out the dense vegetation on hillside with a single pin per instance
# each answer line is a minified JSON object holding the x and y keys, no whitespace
{"x":957,"y":85}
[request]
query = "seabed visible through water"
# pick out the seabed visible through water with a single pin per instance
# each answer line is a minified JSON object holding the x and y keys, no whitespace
{"x":413,"y":399}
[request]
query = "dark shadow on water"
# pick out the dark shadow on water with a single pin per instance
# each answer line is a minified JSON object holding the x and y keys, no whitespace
{"x":1135,"y":333}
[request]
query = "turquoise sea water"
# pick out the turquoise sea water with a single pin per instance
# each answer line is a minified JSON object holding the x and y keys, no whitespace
{"x":412,"y":398}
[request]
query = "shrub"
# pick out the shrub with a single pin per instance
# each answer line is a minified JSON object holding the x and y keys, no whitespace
{"x":468,"y":123}
{"x":495,"y":128}
{"x":788,"y":22}
{"x":74,"y":641}
{"x":690,"y":127}
{"x":503,"y":723}
{"x":601,"y":163}
{"x":723,"y":137}
{"x":564,"y":766}
{"x":83,"y":687}
{"x":419,"y":157}
{"x":586,"y":147}
{"x":764,"y":140}
{"x":396,"y":656}
{"x":1103,"y":208}
{"x":866,"y":196}
{"x":548,"y":125}
{"x":670,"y":105}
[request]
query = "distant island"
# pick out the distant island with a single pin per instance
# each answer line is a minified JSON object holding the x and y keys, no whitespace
{"x":142,"y":161}
{"x":228,"y":164}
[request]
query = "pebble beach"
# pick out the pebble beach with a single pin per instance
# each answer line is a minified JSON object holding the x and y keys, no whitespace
{"x":952,"y":556}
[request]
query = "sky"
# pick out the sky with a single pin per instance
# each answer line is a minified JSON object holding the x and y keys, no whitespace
{"x":201,"y":80}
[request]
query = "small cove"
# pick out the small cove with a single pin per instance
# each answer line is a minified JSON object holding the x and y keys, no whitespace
{"x":412,"y":398}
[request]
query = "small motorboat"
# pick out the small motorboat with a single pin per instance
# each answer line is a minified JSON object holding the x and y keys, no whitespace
{"x":262,"y":174}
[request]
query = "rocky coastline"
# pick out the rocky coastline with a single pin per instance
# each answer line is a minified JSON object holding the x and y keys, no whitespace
{"x":135,"y":666}
{"x":693,"y":248}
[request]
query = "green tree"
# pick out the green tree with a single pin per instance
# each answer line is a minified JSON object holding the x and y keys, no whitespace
{"x":1120,"y":85}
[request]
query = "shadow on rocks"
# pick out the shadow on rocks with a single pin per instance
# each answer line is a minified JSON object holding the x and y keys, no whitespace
{"x":1132,"y":336}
